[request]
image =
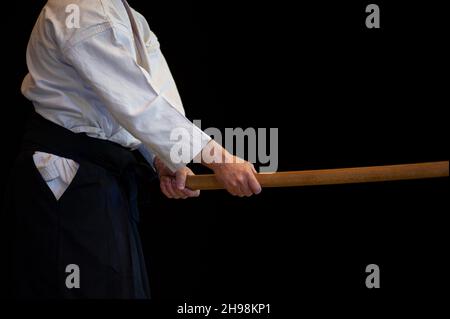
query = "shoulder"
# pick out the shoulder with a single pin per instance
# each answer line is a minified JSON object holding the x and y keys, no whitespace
{"x":88,"y":11}
{"x":73,"y":21}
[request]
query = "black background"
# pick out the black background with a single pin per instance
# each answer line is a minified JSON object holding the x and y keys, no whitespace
{"x":341,"y":95}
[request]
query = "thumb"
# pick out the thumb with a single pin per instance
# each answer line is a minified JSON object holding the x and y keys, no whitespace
{"x":180,"y":177}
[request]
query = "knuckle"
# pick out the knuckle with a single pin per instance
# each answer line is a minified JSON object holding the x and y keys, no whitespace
{"x":241,"y":179}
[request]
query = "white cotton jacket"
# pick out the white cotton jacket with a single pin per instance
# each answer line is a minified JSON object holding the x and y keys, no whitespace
{"x":96,"y":67}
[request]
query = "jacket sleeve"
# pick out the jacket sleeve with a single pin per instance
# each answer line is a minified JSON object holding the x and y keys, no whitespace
{"x":105,"y":61}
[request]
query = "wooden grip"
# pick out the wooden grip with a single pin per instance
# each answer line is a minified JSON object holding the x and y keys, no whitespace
{"x":334,"y":176}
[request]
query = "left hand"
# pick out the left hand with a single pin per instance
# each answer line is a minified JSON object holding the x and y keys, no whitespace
{"x":173,"y":185}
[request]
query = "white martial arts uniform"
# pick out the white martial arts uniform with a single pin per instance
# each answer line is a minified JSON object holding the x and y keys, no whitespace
{"x":104,"y":76}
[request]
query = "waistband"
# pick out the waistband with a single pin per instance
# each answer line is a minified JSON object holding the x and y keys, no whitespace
{"x":46,"y":136}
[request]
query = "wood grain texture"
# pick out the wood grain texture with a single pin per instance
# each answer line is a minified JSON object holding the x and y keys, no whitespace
{"x":334,"y":176}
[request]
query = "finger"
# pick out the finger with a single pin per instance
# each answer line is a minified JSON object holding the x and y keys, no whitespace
{"x":242,"y":190}
{"x":180,"y":177}
{"x":246,"y":190}
{"x":164,"y":190}
{"x":191,"y":193}
{"x":244,"y":187}
{"x":186,"y":192}
{"x":232,"y":190}
{"x":163,"y":187}
{"x":177,"y":194}
{"x":169,"y":186}
{"x":254,"y":185}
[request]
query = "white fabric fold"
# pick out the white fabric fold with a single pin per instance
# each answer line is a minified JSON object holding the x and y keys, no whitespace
{"x":58,"y":172}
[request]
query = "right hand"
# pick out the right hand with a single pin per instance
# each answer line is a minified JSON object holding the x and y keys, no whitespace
{"x":235,"y":174}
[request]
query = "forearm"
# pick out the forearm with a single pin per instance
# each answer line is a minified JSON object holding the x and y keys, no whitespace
{"x":214,"y":155}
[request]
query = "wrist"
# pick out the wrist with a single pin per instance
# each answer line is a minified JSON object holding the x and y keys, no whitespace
{"x":214,"y":156}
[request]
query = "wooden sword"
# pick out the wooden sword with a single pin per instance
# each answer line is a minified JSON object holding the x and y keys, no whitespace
{"x":351,"y":175}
